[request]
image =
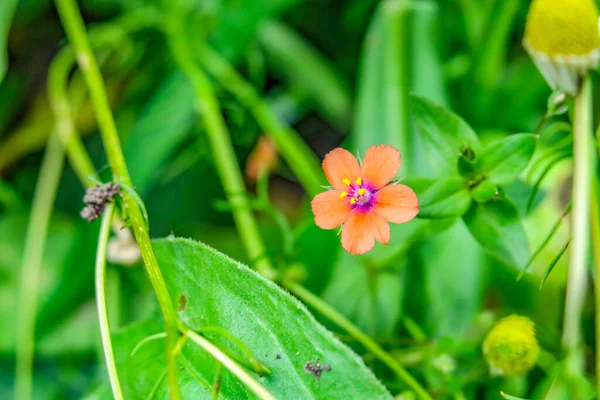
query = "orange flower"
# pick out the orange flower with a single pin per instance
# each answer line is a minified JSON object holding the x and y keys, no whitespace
{"x":361,"y":199}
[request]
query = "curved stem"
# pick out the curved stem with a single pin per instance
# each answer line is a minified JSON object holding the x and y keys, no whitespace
{"x":222,"y":149}
{"x":580,"y":230}
{"x":252,"y":384}
{"x":75,"y":28}
{"x":101,"y":302}
{"x":35,"y":240}
{"x":58,"y":76}
{"x":294,"y":150}
{"x":329,"y":312}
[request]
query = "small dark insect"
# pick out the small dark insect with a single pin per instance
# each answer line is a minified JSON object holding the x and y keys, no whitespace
{"x":316,"y":369}
{"x":277,"y":356}
{"x":96,"y":199}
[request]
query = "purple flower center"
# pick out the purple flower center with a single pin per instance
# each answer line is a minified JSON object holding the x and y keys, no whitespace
{"x":361,"y":196}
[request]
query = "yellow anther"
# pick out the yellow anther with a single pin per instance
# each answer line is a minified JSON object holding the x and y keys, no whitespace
{"x":343,"y":195}
{"x":346,"y":181}
{"x":353,"y":201}
{"x":362,"y":191}
{"x":359,"y":181}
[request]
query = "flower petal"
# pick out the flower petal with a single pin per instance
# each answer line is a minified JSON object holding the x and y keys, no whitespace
{"x":397,"y":203}
{"x":357,"y":236}
{"x":380,"y":165}
{"x":329,"y":209}
{"x":380,"y":228}
{"x":340,"y":164}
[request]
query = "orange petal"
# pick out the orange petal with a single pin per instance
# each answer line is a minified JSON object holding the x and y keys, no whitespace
{"x":380,"y":165}
{"x":340,"y":164}
{"x":397,"y":203}
{"x":357,"y":236}
{"x":380,"y":228}
{"x":329,"y":209}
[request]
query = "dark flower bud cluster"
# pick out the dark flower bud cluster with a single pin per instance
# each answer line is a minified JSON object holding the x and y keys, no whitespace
{"x":96,"y":199}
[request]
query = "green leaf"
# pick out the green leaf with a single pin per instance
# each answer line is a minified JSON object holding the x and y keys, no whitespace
{"x":484,"y":191}
{"x":445,"y":134}
{"x":223,"y":293}
{"x":496,"y":225}
{"x":444,"y":198}
{"x":165,"y":123}
{"x":7,"y":10}
{"x":509,"y":397}
{"x":503,"y":161}
{"x":399,"y":56}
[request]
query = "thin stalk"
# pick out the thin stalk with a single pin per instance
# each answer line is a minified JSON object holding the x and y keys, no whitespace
{"x":300,"y":158}
{"x":329,"y":312}
{"x":580,"y":229}
{"x":596,"y":256}
{"x":101,"y":303}
{"x":251,"y":383}
{"x":74,"y":26}
{"x":64,"y":124}
{"x":221,"y":148}
{"x":35,"y":241}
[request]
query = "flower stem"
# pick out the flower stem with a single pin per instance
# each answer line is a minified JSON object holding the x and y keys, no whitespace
{"x":101,"y":302}
{"x":222,"y":149}
{"x":329,"y":312}
{"x":580,"y":229}
{"x":75,"y":28}
{"x":303,"y":162}
{"x":252,"y":384}
{"x":35,"y":241}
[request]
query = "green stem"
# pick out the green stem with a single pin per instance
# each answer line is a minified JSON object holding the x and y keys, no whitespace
{"x":101,"y":302}
{"x":596,"y":256}
{"x":252,"y":384}
{"x":35,"y":241}
{"x":222,"y":149}
{"x":303,"y":162}
{"x":75,"y":28}
{"x":329,"y":312}
{"x":64,"y":124}
{"x":580,"y":229}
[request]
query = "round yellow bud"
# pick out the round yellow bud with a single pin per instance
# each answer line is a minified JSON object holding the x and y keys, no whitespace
{"x":511,"y":348}
{"x":563,"y":39}
{"x":563,"y":27}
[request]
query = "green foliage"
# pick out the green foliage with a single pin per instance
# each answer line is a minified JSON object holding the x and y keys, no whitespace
{"x":222,"y":293}
{"x":7,"y":9}
{"x":496,"y":225}
{"x":445,"y":82}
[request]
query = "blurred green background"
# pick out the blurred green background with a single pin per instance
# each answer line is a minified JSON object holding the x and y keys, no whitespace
{"x":338,"y":72}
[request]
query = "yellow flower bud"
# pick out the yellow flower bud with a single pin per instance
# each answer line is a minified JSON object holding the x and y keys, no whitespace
{"x":563,"y":38}
{"x":511,"y":348}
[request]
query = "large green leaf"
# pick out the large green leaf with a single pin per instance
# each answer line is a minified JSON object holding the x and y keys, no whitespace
{"x":446,"y":135}
{"x":7,"y":10}
{"x":503,"y":160}
{"x":164,"y":124}
{"x":223,"y":293}
{"x":496,"y":225}
{"x":399,"y":57}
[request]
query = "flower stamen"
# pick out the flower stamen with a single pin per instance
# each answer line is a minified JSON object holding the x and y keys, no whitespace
{"x":346,"y":181}
{"x":343,"y":195}
{"x":359,"y":181}
{"x":353,"y":201}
